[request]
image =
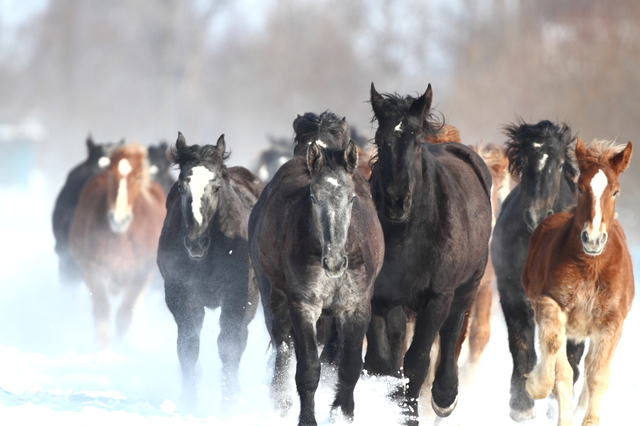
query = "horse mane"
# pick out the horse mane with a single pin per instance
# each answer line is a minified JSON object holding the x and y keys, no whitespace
{"x":395,"y":104}
{"x":181,"y":156}
{"x":521,"y":135}
{"x":601,"y":151}
{"x":310,"y":126}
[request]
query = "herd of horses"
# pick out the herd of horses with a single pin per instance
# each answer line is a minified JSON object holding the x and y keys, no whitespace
{"x":394,"y":249}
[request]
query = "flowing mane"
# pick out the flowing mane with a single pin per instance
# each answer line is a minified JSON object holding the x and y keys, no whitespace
{"x":522,"y":136}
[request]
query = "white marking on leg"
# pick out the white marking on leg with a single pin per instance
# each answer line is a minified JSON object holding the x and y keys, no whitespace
{"x":200,"y":177}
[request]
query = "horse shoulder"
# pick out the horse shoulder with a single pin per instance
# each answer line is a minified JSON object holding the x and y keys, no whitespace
{"x":620,"y":269}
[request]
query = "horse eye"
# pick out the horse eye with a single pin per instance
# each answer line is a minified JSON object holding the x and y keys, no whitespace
{"x":615,"y":194}
{"x":313,"y":199}
{"x":580,"y":191}
{"x":352,"y":199}
{"x":561,"y":166}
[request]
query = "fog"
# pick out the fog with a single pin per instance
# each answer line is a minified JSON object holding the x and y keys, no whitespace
{"x":145,"y":70}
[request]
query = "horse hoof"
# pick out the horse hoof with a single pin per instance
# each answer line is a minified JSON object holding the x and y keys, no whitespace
{"x":521,"y":416}
{"x":443,"y":412}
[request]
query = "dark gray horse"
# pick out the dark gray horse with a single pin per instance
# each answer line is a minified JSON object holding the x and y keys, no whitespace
{"x":97,"y":161}
{"x":160,"y":166}
{"x":204,"y":260}
{"x":433,"y":201}
{"x":539,"y":158}
{"x":317,"y":246}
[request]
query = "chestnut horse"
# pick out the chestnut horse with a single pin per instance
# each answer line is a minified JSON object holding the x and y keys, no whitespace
{"x":114,"y":235}
{"x":579,"y":278}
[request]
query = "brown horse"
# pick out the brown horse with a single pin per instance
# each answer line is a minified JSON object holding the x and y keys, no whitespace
{"x":579,"y":279}
{"x":114,"y":235}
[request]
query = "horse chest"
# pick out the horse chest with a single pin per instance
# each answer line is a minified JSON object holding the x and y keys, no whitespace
{"x":585,"y":314}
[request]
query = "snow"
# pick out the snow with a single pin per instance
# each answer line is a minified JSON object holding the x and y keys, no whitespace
{"x":52,"y":372}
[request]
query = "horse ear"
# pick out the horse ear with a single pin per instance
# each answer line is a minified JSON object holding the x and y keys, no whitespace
{"x":351,"y":157}
{"x":420,"y":107}
{"x":90,"y":143}
{"x":581,"y":152}
{"x":344,"y":128}
{"x":376,"y":101}
{"x":621,"y":160}
{"x":315,"y":158}
{"x":181,"y":143}
{"x":221,"y":146}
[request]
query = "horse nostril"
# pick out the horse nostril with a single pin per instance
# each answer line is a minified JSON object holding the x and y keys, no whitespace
{"x":345,"y":262}
{"x":204,"y":242}
{"x":187,"y":243}
{"x":603,"y":238}
{"x":585,"y":237}
{"x":550,"y":212}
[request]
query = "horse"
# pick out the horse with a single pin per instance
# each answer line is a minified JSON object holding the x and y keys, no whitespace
{"x":539,"y":157}
{"x":203,"y":257}
{"x":114,"y":235}
{"x":97,"y":160}
{"x":579,"y":278}
{"x":479,"y":316}
{"x":316,"y":246}
{"x":433,"y":202}
{"x":270,"y":160}
{"x":160,"y":165}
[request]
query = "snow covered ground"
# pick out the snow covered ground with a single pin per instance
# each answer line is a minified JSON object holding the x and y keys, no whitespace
{"x":51,"y":370}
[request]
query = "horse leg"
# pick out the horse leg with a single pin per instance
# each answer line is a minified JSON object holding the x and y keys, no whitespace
{"x":131,"y":296}
{"x":480,"y":328}
{"x":232,"y":339}
{"x":101,"y":307}
{"x":551,"y":321}
{"x":563,"y":387}
{"x":276,"y":309}
{"x":598,"y":371}
{"x":575,"y":350}
{"x":189,"y":317}
{"x":445,"y":384}
{"x":378,"y":357}
{"x":303,"y":320}
{"x":518,"y":316}
{"x":352,"y":330}
{"x":417,"y":358}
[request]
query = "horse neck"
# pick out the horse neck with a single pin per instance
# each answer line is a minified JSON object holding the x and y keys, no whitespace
{"x":567,"y":195}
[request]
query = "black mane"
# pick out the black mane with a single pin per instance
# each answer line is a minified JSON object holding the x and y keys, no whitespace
{"x":197,"y":153}
{"x":395,"y":104}
{"x":310,"y":127}
{"x":522,"y":135}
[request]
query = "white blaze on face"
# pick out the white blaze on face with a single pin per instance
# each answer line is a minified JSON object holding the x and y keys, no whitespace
{"x":122,"y":208}
{"x":398,"y":128}
{"x":536,"y":145}
{"x":200,"y":177}
{"x":333,"y":181}
{"x":543,"y":162}
{"x":104,"y":162}
{"x":598,"y":184}
{"x":320,"y":143}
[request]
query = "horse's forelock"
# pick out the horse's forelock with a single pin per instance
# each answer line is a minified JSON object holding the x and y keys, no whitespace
{"x":198,"y":154}
{"x":394,"y":105}
{"x":310,"y":127}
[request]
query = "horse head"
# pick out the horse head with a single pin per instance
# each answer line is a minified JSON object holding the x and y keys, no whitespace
{"x":158,"y":160}
{"x":327,"y":130}
{"x":539,"y":157}
{"x":202,"y":176}
{"x":332,"y":193}
{"x":127,"y":175}
{"x":403,"y":124}
{"x":98,"y":154}
{"x":600,"y":165}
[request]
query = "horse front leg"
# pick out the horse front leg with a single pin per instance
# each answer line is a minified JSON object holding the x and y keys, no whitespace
{"x":303,"y":320}
{"x":352,"y":330}
{"x":385,"y":338}
{"x":101,"y":307}
{"x":418,"y":357}
{"x":518,"y":316}
{"x":189,"y":317}
{"x":133,"y":294}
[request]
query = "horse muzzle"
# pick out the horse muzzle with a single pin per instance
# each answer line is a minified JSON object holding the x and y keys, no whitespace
{"x":397,"y":209}
{"x":593,"y":247}
{"x":197,"y":249}
{"x":119,"y":223}
{"x":334,"y":266}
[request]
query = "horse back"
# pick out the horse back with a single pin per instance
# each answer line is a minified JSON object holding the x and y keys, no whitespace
{"x":453,"y":155}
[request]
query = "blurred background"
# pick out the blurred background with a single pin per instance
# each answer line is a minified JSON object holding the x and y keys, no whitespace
{"x":146,"y":69}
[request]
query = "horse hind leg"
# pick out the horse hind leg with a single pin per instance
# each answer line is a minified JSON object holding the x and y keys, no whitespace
{"x":598,"y":371}
{"x":551,"y":322}
{"x":280,"y":329}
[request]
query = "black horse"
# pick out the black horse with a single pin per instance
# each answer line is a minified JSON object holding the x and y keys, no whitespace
{"x":97,"y":160}
{"x":160,"y":166}
{"x":203,"y":257}
{"x":316,"y":246}
{"x":433,"y":201}
{"x":538,"y":157}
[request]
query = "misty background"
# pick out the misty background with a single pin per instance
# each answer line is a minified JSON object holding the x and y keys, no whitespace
{"x":146,"y":69}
